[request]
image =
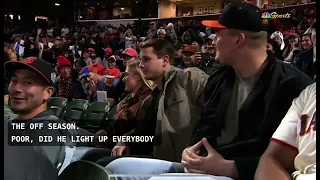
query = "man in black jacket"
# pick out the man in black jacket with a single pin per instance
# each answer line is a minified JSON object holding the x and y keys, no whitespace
{"x":247,"y":97}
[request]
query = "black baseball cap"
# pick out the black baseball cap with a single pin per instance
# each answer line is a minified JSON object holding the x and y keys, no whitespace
{"x":40,"y":66}
{"x":240,"y":16}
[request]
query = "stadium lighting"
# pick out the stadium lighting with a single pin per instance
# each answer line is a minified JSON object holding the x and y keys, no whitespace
{"x":122,"y":9}
{"x":57,"y":4}
{"x":11,"y":16}
{"x":19,"y":17}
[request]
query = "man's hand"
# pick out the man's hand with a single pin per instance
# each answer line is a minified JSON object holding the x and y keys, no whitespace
{"x":197,"y":59}
{"x":92,"y":87}
{"x":213,"y":163}
{"x":195,"y":149}
{"x":39,"y":31}
{"x":119,"y":149}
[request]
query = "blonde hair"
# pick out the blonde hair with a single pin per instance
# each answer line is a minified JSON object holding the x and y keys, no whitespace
{"x":253,"y":39}
{"x":134,"y":67}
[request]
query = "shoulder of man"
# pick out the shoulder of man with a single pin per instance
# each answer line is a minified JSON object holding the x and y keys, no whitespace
{"x":288,"y":72}
{"x":191,"y":77}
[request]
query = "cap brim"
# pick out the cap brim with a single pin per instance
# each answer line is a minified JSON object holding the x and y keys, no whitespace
{"x":188,"y":51}
{"x":84,"y":75}
{"x":127,"y":54}
{"x":12,"y":66}
{"x":214,"y":24}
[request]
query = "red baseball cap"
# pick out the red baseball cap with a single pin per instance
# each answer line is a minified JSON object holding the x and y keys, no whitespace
{"x":130,"y":52}
{"x":108,"y":50}
{"x":190,"y":48}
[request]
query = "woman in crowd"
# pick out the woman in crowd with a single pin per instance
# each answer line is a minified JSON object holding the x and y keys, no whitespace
{"x":172,"y":34}
{"x":11,"y":53}
{"x":293,"y":48}
{"x":129,"y":38}
{"x":125,"y":115}
{"x":68,"y":85}
{"x":277,"y":37}
{"x":186,"y":38}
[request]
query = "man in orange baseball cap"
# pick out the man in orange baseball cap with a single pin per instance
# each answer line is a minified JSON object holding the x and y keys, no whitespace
{"x":189,"y":53}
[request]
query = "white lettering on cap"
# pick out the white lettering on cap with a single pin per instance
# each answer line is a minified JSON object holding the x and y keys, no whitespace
{"x":53,"y":77}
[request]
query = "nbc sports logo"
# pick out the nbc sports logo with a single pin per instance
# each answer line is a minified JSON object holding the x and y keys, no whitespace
{"x":266,"y":15}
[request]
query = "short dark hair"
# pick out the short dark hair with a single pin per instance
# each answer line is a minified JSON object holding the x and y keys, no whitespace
{"x":161,"y":47}
{"x":307,"y":35}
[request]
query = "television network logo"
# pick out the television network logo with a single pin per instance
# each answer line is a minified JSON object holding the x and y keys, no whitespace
{"x":275,"y":15}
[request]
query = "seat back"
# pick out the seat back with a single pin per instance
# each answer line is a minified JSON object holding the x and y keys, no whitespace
{"x":85,"y":170}
{"x":95,"y":115}
{"x":57,"y":105}
{"x":73,"y":112}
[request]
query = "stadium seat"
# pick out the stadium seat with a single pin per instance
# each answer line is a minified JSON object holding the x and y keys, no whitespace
{"x":85,"y":170}
{"x":73,"y":112}
{"x":57,"y":104}
{"x":94,"y":116}
{"x":109,"y":117}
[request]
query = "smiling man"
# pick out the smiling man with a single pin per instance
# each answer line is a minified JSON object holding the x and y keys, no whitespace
{"x":30,"y":88}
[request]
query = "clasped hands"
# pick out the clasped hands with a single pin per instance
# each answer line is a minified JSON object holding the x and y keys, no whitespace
{"x":213,"y":163}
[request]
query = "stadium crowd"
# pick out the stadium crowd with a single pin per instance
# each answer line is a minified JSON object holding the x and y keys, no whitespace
{"x":212,"y":93}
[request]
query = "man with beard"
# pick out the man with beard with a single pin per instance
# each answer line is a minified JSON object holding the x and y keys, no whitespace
{"x":208,"y":53}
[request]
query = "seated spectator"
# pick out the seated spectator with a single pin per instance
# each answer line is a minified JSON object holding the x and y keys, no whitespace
{"x":30,"y":88}
{"x":107,"y":54}
{"x":86,"y":57}
{"x":306,"y":42}
{"x":119,"y":61}
{"x":245,"y":100}
{"x":95,"y":82}
{"x":306,"y":61}
{"x":8,"y":49}
{"x":129,"y":55}
{"x":188,"y":55}
{"x":291,"y":153}
{"x":186,"y":38}
{"x":280,"y":45}
{"x":79,"y":64}
{"x":208,"y":54}
{"x":112,"y":70}
{"x":139,"y":89}
{"x":293,"y":48}
{"x":68,"y":85}
{"x":96,"y":66}
{"x":270,"y":45}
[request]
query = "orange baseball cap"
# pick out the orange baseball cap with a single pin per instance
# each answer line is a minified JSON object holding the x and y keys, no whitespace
{"x":130,"y":52}
{"x":190,"y":48}
{"x":240,"y":16}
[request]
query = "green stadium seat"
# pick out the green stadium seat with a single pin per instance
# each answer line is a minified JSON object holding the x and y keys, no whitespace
{"x":111,"y":113}
{"x":85,"y":170}
{"x":57,"y":105}
{"x":94,"y":116}
{"x":73,"y":112}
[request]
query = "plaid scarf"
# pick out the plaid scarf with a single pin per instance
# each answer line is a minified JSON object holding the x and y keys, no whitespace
{"x":65,"y":88}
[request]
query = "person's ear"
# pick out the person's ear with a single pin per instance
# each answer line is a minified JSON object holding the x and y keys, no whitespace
{"x":240,"y":40}
{"x":48,"y":93}
{"x":165,"y":60}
